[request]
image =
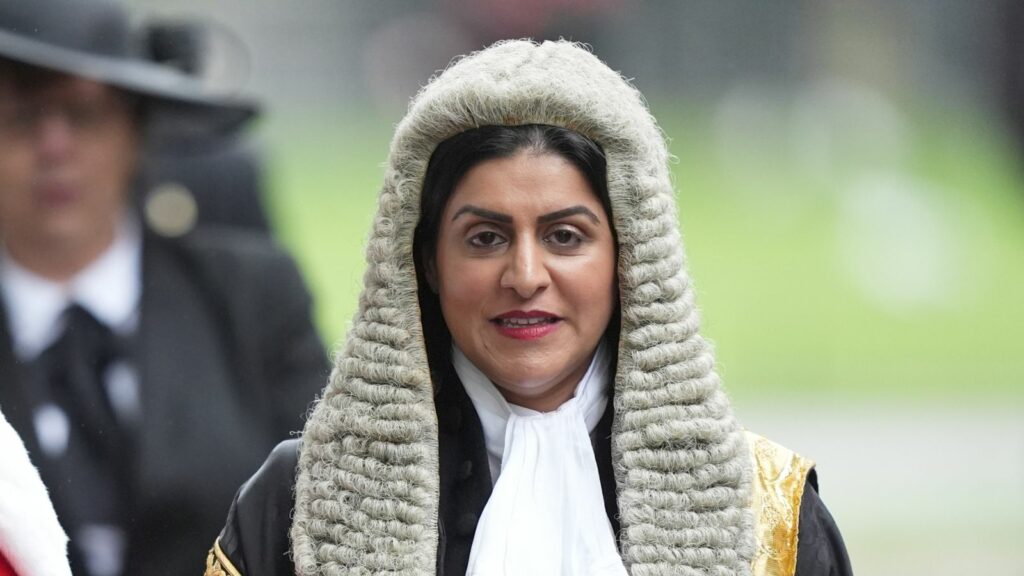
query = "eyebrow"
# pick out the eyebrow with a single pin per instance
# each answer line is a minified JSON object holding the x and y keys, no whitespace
{"x":565,"y":213}
{"x":543,"y":219}
{"x":488,"y":214}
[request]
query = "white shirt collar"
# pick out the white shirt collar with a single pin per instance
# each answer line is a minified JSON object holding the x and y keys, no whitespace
{"x":109,"y":288}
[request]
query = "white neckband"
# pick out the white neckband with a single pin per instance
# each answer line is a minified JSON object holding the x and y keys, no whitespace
{"x":546,"y":515}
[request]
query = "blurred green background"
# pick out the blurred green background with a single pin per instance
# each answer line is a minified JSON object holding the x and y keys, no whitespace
{"x":849,"y":189}
{"x":897,"y":281}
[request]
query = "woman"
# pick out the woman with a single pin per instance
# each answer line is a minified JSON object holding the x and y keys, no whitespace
{"x":524,"y":389}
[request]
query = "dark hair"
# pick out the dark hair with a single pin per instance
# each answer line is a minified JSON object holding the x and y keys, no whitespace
{"x":450,"y":162}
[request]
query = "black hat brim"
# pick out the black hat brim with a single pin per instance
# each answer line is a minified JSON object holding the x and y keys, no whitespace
{"x":173,"y":94}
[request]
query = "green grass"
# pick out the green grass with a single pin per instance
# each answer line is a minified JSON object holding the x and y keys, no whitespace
{"x":765,"y":242}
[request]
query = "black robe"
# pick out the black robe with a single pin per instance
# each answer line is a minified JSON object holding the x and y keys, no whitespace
{"x":256,"y":541}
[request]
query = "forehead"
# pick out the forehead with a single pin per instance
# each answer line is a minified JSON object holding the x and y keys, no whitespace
{"x":17,"y":81}
{"x":525,"y":182}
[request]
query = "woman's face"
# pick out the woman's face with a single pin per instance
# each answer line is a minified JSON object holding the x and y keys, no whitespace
{"x":525,"y":272}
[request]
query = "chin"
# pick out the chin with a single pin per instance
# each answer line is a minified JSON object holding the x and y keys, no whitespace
{"x":526,"y":377}
{"x":64,"y":231}
{"x":528,"y":388}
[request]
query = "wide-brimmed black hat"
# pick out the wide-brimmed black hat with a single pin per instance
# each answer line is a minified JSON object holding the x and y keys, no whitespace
{"x":95,"y":39}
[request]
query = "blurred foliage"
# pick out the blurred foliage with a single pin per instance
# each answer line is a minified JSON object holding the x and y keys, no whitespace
{"x":765,"y":241}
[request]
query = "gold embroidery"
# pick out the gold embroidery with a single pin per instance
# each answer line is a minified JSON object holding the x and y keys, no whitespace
{"x":778,"y":486}
{"x":218,"y":563}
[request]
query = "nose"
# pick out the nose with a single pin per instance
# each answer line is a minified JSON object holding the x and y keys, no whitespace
{"x":526,"y":271}
{"x":54,"y":135}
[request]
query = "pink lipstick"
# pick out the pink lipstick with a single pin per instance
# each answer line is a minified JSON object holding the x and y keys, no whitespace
{"x":526,"y":325}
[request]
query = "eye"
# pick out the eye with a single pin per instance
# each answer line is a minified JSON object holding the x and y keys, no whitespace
{"x":486,"y":239}
{"x":564,"y":238}
{"x":19,"y":119}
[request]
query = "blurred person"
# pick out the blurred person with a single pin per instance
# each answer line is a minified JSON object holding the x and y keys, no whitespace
{"x":524,"y":389}
{"x":148,"y":374}
{"x":32,"y":542}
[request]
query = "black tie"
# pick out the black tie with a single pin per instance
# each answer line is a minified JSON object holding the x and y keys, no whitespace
{"x":88,"y":479}
{"x":76,"y":365}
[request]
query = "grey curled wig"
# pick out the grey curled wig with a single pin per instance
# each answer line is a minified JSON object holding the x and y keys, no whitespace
{"x":367,"y":490}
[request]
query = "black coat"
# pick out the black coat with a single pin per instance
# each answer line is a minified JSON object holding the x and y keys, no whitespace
{"x":228,"y":362}
{"x":255,"y":538}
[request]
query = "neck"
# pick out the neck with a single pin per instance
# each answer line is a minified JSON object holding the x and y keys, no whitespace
{"x":549,"y":400}
{"x":59,"y":261}
{"x":553,"y":398}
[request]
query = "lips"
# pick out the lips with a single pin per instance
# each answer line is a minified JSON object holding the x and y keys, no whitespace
{"x":54,"y":194}
{"x":526,"y":325}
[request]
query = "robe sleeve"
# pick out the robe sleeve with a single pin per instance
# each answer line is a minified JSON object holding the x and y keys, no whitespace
{"x":254,"y":541}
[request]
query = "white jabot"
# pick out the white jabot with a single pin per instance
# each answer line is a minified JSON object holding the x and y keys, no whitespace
{"x":546,"y":514}
{"x":109,"y":288}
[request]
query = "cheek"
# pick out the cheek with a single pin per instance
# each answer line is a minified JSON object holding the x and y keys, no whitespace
{"x":15,"y":178}
{"x":464,"y":288}
{"x":592,"y":284}
{"x":115,"y":160}
{"x":593,"y":289}
{"x":15,"y":170}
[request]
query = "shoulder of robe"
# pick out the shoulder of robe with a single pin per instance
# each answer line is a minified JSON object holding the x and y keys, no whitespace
{"x":218,"y":563}
{"x":254,"y":540}
{"x":779,"y":479}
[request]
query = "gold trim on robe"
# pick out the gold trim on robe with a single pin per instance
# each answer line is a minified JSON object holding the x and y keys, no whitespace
{"x":777,"y":489}
{"x":218,"y":563}
{"x":778,"y":486}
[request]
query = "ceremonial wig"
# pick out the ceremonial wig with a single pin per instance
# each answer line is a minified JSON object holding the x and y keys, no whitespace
{"x":367,"y":491}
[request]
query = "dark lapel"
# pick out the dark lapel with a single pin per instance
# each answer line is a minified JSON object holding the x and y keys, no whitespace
{"x":465,"y":474}
{"x":192,"y":400}
{"x":199,"y":439}
{"x":180,"y":357}
{"x":602,"y":439}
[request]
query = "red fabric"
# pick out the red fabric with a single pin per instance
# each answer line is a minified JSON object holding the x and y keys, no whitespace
{"x":5,"y":567}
